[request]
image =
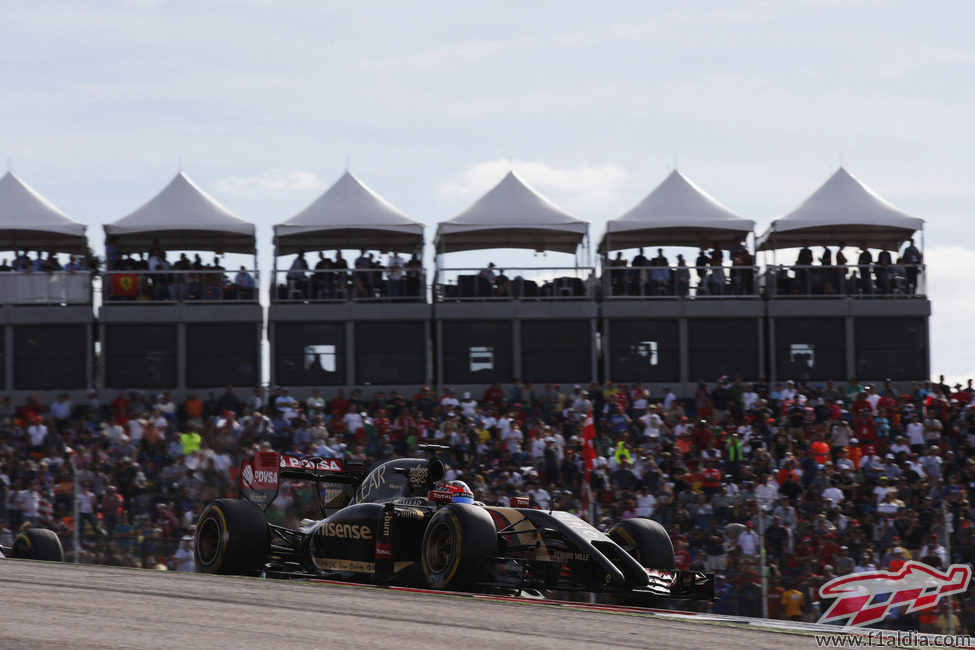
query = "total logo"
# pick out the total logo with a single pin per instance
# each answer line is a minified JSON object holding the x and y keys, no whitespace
{"x":441,"y":496}
{"x":346,"y":531}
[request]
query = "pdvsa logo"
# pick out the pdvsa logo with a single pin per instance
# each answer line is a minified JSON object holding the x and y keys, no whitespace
{"x":265,"y":477}
{"x":323,"y":465}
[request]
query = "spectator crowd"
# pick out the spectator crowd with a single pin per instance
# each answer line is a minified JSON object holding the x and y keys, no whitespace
{"x":824,"y":479}
{"x":887,"y":273}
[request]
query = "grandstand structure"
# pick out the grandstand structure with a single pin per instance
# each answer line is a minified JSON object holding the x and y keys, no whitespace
{"x":344,"y":324}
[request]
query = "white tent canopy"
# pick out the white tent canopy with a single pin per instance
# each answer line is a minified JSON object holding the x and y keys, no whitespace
{"x":183,"y":217}
{"x":676,"y":213}
{"x":29,"y":221}
{"x":842,"y":211}
{"x":348,"y":215}
{"x":511,"y":215}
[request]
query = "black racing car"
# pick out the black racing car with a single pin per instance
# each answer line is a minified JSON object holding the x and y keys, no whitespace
{"x":399,"y":523}
{"x":35,"y":544}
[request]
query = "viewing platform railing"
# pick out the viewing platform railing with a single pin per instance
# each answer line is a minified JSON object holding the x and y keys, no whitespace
{"x":514,"y":283}
{"x":46,"y":288}
{"x":341,"y":285}
{"x":198,"y":286}
{"x":661,"y":282}
{"x":866,"y":281}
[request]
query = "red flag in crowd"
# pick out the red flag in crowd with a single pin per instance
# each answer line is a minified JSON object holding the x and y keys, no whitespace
{"x":588,"y":450}
{"x":585,"y":502}
{"x":45,"y":511}
{"x":125,"y":284}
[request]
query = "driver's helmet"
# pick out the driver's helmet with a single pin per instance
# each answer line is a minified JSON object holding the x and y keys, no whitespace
{"x":460,"y":491}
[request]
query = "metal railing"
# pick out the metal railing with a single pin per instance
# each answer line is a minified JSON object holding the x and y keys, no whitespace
{"x":680,"y":282}
{"x":463,"y":284}
{"x":514,"y":283}
{"x":340,"y":285}
{"x":45,"y":288}
{"x":198,"y":286}
{"x":858,"y":281}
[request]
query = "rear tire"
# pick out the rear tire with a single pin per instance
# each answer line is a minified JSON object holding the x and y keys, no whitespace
{"x":455,"y":543}
{"x":231,"y":538}
{"x":38,"y":544}
{"x":646,"y":540}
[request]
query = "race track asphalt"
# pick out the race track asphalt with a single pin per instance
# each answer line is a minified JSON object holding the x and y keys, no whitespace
{"x":50,"y":605}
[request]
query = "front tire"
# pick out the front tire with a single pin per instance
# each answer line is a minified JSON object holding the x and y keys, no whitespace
{"x":455,"y":543}
{"x":646,"y":540}
{"x":231,"y":538}
{"x":38,"y":544}
{"x":649,"y":544}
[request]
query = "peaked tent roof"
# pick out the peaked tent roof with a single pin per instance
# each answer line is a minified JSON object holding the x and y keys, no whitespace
{"x":184,"y":217}
{"x":678,"y":213}
{"x":28,"y":220}
{"x":842,"y":211}
{"x":511,"y":215}
{"x":348,"y":215}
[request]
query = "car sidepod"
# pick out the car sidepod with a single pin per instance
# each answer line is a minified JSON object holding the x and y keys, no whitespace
{"x":346,"y":541}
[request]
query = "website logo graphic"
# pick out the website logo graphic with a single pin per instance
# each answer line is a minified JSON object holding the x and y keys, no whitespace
{"x":865,"y":598}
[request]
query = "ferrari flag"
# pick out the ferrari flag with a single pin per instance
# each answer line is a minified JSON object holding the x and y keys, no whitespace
{"x":125,"y":284}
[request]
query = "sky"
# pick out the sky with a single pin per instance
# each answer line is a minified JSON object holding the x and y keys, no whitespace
{"x":265,"y":104}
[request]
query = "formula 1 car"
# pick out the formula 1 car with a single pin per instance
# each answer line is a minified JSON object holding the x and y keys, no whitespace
{"x":399,"y":523}
{"x":35,"y":544}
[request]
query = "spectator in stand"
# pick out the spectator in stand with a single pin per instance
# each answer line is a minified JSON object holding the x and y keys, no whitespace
{"x":194,"y":410}
{"x":488,"y":274}
{"x":912,"y":259}
{"x":777,"y":540}
{"x":934,"y":553}
{"x":395,"y":270}
{"x":297,"y":278}
{"x":864,"y":262}
{"x":670,"y":398}
{"x":183,"y":558}
{"x":803,"y":272}
{"x":228,"y":401}
{"x":468,"y":406}
{"x":819,"y":449}
{"x":339,"y":405}
{"x":61,"y":410}
{"x":244,"y":284}
{"x":748,"y":540}
{"x":493,"y":396}
{"x":882,"y":270}
{"x":315,"y":405}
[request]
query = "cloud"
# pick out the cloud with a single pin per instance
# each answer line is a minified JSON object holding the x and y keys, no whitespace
{"x":579,"y":186}
{"x":271,"y":181}
{"x":443,"y":56}
{"x":668,"y":28}
{"x":920,"y":57}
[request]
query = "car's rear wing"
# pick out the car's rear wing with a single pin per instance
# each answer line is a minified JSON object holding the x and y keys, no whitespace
{"x":260,"y":478}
